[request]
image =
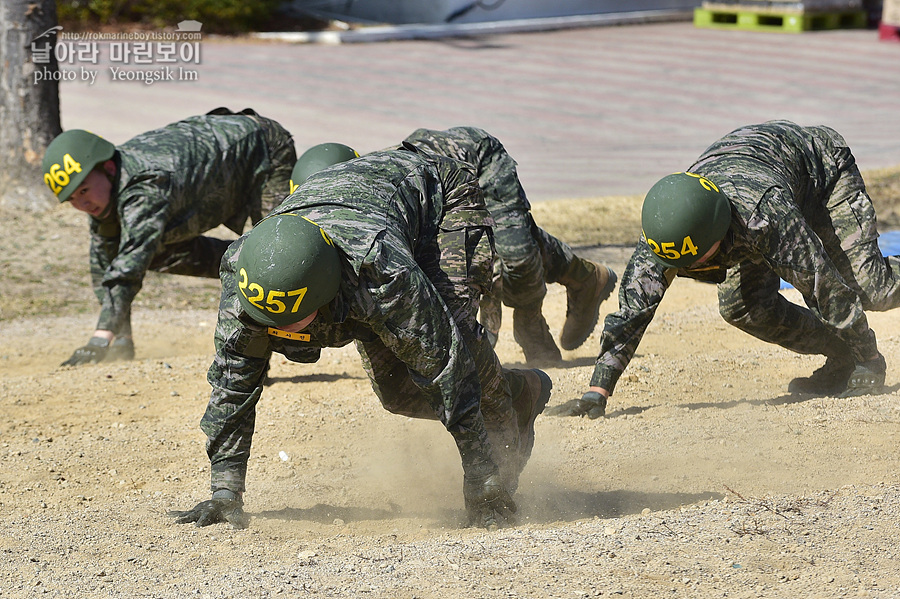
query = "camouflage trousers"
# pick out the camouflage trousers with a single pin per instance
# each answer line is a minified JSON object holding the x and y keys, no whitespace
{"x":282,"y":156}
{"x":459,"y":264}
{"x":197,"y":257}
{"x":530,"y":258}
{"x":845,"y":224}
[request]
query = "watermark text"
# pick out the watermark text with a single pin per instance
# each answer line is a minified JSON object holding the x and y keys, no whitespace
{"x":140,"y":56}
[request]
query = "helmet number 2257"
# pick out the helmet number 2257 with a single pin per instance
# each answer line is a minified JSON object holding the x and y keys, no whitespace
{"x":272,"y":302}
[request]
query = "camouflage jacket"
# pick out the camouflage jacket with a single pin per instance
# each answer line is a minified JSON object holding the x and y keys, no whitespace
{"x":172,"y":185}
{"x":778,"y":176}
{"x":382,"y":211}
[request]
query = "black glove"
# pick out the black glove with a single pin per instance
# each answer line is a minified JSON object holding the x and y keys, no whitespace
{"x":94,"y":351}
{"x":488,"y":504}
{"x":120,"y":349}
{"x":591,"y":404}
{"x":866,"y":378}
{"x":225,"y":506}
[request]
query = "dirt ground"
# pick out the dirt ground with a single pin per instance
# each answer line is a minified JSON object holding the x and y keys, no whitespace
{"x":706,"y":479}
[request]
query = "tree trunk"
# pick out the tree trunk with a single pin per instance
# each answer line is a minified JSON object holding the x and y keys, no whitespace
{"x":29,"y":109}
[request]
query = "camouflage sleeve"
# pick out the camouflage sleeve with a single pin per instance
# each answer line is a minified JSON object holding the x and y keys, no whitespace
{"x":236,"y":377}
{"x":143,"y":213}
{"x":230,"y":417}
{"x":642,"y":288}
{"x":103,"y":251}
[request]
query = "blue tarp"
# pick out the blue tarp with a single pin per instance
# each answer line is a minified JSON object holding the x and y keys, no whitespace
{"x":888,"y":241}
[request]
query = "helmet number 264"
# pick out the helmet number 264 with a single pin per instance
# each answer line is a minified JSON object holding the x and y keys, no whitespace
{"x":57,"y":176}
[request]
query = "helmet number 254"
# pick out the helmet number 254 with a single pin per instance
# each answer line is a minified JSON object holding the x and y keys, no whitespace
{"x":667,"y":249}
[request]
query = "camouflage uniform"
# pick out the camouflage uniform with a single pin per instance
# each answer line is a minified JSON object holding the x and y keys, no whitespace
{"x":173,"y":184}
{"x":417,"y":252}
{"x":800,"y":212}
{"x":529,"y":256}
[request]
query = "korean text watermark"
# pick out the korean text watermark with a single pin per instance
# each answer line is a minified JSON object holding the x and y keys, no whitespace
{"x":139,"y":56}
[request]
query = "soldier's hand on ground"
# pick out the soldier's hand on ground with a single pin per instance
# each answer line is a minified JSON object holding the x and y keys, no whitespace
{"x":120,"y":349}
{"x":591,"y":404}
{"x":488,"y":504}
{"x":225,"y":506}
{"x":94,"y":351}
{"x":867,"y":378}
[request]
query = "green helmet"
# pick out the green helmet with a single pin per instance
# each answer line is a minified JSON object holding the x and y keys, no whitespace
{"x":683,"y":216}
{"x":71,"y":157}
{"x":317,"y":158}
{"x":287,"y":269}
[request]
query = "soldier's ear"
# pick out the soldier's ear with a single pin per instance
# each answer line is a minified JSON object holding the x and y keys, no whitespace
{"x":110,"y":167}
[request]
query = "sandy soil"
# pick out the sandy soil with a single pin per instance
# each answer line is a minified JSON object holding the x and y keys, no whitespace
{"x":705,"y":480}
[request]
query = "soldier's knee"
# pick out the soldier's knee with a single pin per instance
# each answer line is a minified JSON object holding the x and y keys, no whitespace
{"x":739,"y":315}
{"x":878,"y":283}
{"x":880,"y":301}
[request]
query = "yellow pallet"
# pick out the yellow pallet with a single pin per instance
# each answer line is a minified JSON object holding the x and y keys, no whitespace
{"x":766,"y":19}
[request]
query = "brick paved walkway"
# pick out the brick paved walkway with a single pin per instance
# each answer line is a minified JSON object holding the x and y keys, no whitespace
{"x":585,"y":112}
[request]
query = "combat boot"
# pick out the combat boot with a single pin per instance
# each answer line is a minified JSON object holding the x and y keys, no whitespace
{"x":867,"y":378}
{"x":530,"y":394}
{"x":587,"y":286}
{"x":830,"y":379}
{"x":531,"y":332}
